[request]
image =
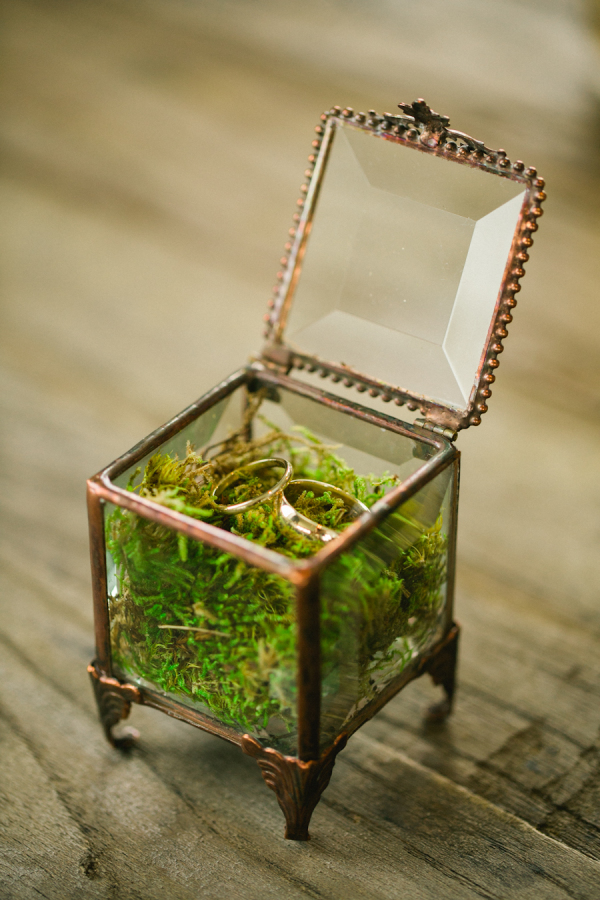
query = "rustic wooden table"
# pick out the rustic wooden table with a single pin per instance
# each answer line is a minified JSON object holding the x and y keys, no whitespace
{"x":151,"y":157}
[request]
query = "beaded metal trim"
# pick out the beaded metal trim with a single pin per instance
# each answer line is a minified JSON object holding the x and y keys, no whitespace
{"x":427,"y":131}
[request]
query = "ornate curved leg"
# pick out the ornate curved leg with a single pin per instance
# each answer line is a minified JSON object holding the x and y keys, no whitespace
{"x":442,"y":668}
{"x":298,"y":785}
{"x":114,"y":704}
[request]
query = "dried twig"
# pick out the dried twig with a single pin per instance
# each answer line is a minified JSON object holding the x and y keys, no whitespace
{"x":195,"y":628}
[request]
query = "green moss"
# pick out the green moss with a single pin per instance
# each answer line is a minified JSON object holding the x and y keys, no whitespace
{"x":196,"y":621}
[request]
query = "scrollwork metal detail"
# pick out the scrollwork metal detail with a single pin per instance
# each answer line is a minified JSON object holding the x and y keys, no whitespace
{"x":435,"y":129}
{"x":297,"y":785}
{"x":114,"y":701}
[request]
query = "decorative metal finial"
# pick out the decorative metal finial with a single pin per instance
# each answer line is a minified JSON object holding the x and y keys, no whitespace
{"x":435,"y":131}
{"x":421,"y":112}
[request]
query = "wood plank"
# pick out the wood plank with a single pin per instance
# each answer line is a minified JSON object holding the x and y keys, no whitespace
{"x":490,"y":710}
{"x":127,"y":812}
{"x":207,"y":806}
{"x":488,"y":739}
{"x":525,"y":730}
{"x":151,"y":154}
{"x":42,"y":850}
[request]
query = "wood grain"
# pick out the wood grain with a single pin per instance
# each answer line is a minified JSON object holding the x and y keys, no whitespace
{"x":151,"y":154}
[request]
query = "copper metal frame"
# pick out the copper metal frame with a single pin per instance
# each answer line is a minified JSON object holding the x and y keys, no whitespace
{"x":297,"y":781}
{"x":425,"y":131}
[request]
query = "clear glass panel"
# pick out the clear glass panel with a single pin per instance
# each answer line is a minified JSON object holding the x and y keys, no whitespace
{"x":384,"y":603}
{"x":403,"y":265}
{"x":365,"y":448}
{"x":198,"y":433}
{"x":208,"y":629}
{"x":203,"y":626}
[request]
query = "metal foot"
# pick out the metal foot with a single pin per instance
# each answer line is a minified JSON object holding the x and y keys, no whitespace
{"x":114,"y":704}
{"x":298,"y":785}
{"x":442,"y":669}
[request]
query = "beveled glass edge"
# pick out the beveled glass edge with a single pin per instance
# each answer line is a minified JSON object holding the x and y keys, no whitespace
{"x":415,"y":669}
{"x":425,"y":131}
{"x":157,"y":437}
{"x":178,"y":710}
{"x":445,"y":454}
{"x":452,"y":542}
{"x":296,"y":571}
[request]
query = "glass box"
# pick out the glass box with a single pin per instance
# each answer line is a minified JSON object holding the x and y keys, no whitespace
{"x":280,"y":612}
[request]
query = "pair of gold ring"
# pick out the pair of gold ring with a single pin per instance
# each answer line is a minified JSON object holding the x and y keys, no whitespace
{"x":293,"y":488}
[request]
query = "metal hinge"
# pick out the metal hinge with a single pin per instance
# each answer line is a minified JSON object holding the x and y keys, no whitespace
{"x":278,"y":356}
{"x":448,"y":433}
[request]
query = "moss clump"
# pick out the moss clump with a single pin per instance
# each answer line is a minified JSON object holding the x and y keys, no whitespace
{"x":192,"y":619}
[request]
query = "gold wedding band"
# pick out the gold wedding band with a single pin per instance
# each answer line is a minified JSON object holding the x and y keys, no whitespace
{"x":285,"y":508}
{"x":302,"y":524}
{"x":234,"y":508}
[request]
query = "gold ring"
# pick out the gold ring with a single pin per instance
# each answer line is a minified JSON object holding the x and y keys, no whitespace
{"x":234,"y":508}
{"x":304,"y":525}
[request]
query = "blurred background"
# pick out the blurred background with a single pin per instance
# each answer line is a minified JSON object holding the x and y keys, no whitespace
{"x":152,"y":152}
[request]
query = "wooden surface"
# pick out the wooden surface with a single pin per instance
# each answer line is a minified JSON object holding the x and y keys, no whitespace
{"x":152,"y":153}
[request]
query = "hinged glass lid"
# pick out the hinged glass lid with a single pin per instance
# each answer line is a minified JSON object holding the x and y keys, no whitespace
{"x":404,"y":262}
